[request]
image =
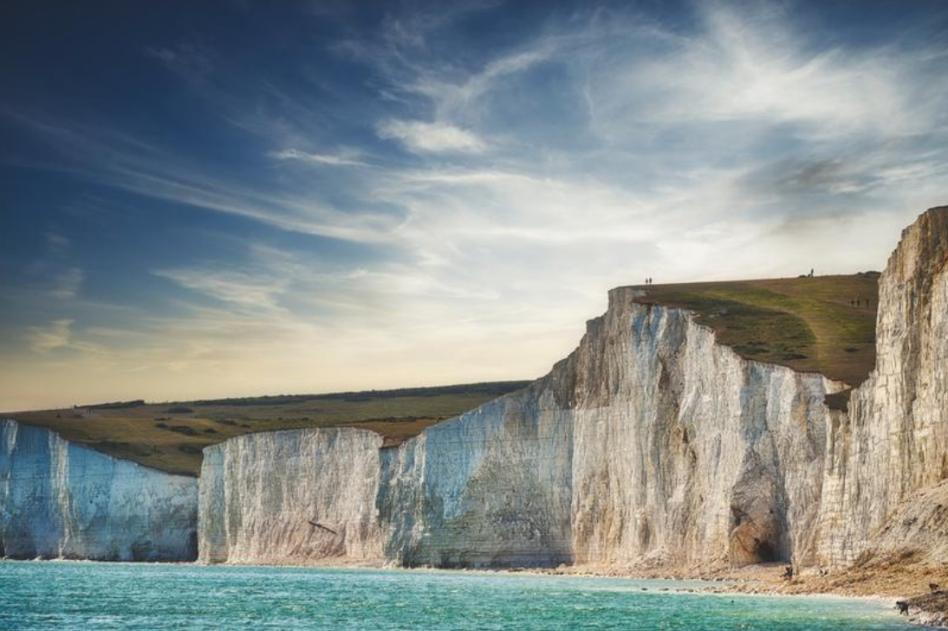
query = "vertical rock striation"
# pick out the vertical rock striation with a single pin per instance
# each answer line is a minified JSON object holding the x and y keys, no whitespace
{"x":291,"y":496}
{"x":894,"y":441}
{"x":684,"y":453}
{"x":62,"y":500}
{"x":649,"y":443}
{"x":489,"y":489}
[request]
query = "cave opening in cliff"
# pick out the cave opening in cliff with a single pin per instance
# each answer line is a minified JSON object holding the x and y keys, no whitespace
{"x":766,"y":552}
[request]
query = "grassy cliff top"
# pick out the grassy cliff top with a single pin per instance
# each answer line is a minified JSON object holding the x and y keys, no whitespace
{"x":822,"y":324}
{"x":170,"y":436}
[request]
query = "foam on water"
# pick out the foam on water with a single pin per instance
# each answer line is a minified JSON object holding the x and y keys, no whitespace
{"x":45,"y":595}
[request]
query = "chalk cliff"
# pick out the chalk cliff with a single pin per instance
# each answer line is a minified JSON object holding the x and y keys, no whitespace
{"x":650,"y":443}
{"x":315,"y":497}
{"x":894,"y":441}
{"x":62,"y":500}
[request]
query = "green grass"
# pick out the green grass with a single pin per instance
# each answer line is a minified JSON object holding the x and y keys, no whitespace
{"x":808,"y":324}
{"x":171,"y":441}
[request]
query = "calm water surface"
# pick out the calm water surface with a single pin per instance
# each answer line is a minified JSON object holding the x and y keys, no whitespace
{"x":44,"y":595}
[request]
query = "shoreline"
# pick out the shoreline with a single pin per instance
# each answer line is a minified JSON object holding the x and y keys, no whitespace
{"x":757,"y":580}
{"x":883,"y":586}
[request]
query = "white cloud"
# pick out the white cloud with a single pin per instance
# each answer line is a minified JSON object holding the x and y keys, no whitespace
{"x":589,"y":153}
{"x":457,"y":98}
{"x":56,"y":334}
{"x":752,"y":66}
{"x":316,"y":158}
{"x":255,"y":290}
{"x":423,"y":137}
{"x":127,"y":163}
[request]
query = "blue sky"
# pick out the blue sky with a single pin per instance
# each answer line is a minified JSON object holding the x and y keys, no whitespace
{"x":247,"y":197}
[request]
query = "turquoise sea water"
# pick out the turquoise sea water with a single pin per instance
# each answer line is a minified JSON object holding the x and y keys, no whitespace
{"x":51,"y":595}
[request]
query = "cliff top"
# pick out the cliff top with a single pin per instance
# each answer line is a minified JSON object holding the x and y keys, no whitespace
{"x":822,"y":324}
{"x":171,"y":436}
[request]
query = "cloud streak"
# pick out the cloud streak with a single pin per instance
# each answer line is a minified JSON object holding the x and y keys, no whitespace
{"x":316,"y":158}
{"x":465,"y":200}
{"x":424,"y":137}
{"x":138,"y":167}
{"x":55,"y":335}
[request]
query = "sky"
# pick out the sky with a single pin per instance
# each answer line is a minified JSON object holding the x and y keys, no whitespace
{"x":240,"y":198}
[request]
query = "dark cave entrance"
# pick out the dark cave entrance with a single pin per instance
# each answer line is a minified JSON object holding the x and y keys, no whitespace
{"x":766,"y":552}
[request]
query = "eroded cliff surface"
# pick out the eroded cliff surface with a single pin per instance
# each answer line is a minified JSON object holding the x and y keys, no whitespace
{"x":894,"y":441}
{"x":291,"y":496}
{"x":62,"y":500}
{"x":650,"y":443}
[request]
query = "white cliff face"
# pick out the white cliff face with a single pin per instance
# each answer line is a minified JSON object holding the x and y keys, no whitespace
{"x":489,"y":489}
{"x":686,"y":454}
{"x":894,"y":441}
{"x":291,"y":496}
{"x":916,"y":530}
{"x":62,"y":500}
{"x":649,"y":444}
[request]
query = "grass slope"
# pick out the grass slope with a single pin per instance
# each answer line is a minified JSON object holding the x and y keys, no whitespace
{"x":170,"y":436}
{"x":808,"y":324}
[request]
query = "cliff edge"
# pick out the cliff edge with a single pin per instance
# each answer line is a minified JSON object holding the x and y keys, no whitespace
{"x":885,"y":456}
{"x":651,"y":445}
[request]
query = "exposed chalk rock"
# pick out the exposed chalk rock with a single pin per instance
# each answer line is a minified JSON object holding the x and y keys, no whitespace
{"x":291,"y":496}
{"x":650,"y":442}
{"x":917,"y":529}
{"x":894,"y":441}
{"x":61,"y":500}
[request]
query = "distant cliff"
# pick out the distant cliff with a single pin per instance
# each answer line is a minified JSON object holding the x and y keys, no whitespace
{"x":650,"y":445}
{"x":62,"y":500}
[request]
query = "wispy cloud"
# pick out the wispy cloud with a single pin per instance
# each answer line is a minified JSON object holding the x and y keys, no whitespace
{"x":56,"y":334}
{"x":490,"y":194}
{"x":54,"y":272}
{"x":67,"y":283}
{"x":130,"y":164}
{"x":316,"y":158}
{"x":57,"y":243}
{"x":755,"y":67}
{"x":424,"y":137}
{"x":247,"y":289}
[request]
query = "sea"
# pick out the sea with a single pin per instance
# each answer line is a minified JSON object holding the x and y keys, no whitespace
{"x":85,"y":595}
